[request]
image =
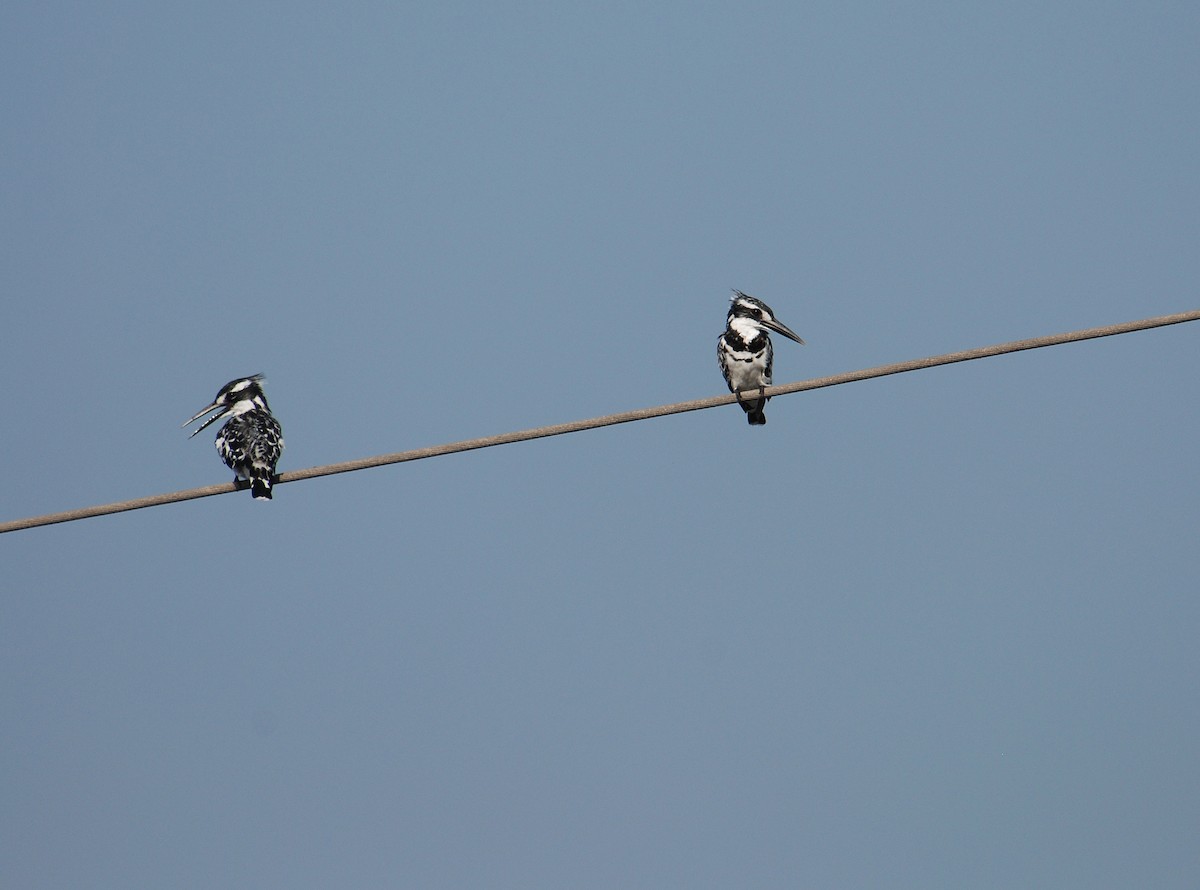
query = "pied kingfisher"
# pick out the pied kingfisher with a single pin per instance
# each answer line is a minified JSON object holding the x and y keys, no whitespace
{"x":744,"y":351}
{"x":251,"y":442}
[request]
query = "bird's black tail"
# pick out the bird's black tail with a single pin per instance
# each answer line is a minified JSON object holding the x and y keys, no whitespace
{"x":260,"y":488}
{"x":755,"y":415}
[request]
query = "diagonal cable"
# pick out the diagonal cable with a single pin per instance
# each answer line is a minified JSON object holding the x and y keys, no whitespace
{"x":608,"y":420}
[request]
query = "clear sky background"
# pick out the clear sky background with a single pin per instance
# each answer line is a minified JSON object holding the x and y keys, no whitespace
{"x":930,"y":631}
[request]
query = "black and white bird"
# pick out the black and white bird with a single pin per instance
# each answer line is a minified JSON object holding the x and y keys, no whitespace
{"x":252,"y":440}
{"x":744,"y":351}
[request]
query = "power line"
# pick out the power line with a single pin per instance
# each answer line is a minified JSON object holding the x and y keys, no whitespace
{"x":608,"y":420}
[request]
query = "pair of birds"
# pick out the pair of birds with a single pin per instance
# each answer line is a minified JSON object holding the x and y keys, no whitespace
{"x":251,"y":441}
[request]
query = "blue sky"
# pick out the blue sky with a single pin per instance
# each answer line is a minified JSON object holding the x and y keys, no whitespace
{"x":935,"y":630}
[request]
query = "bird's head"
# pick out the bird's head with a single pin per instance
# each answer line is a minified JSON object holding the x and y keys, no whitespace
{"x":749,"y":312}
{"x":234,"y":398}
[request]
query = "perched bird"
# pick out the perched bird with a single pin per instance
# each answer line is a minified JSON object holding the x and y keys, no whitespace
{"x":744,"y":351}
{"x":251,"y":442}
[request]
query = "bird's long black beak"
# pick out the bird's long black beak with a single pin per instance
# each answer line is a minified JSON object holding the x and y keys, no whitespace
{"x":220,"y":413}
{"x":780,"y":328}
